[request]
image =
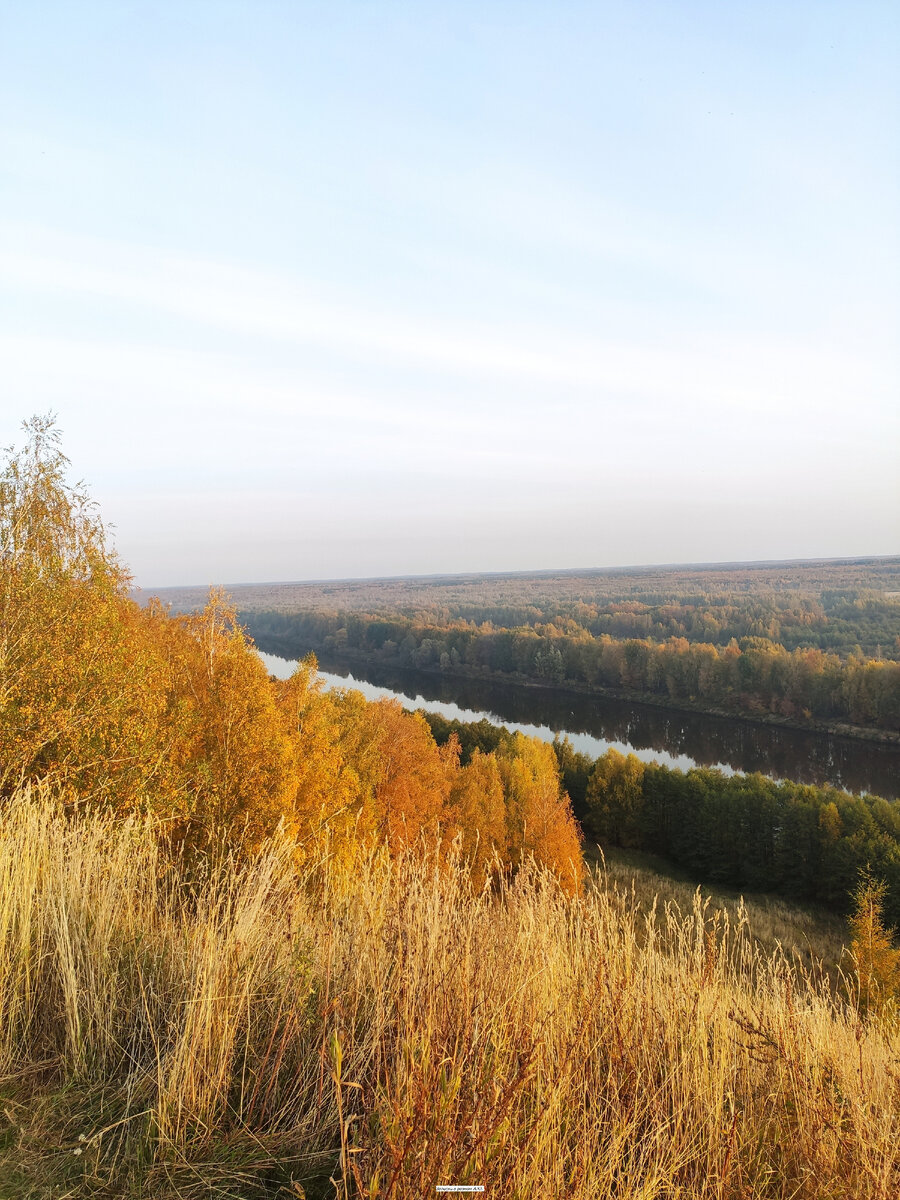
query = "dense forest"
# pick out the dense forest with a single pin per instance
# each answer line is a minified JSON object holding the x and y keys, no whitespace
{"x":754,"y":677}
{"x":744,"y":831}
{"x":840,"y":606}
{"x":805,"y":642}
{"x":845,"y":607}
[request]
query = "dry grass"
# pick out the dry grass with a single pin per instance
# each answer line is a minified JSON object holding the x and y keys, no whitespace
{"x":375,"y":1024}
{"x":810,"y":934}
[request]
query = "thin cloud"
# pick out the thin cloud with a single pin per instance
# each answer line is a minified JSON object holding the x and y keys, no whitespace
{"x":755,"y":373}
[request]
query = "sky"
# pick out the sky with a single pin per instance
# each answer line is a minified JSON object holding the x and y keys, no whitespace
{"x":328,"y":290}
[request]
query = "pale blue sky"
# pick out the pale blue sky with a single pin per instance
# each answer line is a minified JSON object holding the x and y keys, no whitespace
{"x":347,"y":289}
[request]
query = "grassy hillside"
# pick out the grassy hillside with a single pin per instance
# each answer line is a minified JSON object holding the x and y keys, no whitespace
{"x":812,"y":936}
{"x":375,"y":1026}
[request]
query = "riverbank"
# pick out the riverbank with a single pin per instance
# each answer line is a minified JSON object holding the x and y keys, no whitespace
{"x":351,"y":658}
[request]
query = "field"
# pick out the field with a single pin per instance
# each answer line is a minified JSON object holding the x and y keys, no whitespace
{"x":369,"y":1026}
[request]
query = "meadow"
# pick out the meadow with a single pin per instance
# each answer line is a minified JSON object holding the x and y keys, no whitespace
{"x":373,"y":1025}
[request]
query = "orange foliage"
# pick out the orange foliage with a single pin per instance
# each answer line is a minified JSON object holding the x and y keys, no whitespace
{"x":333,"y":763}
{"x":539,"y":816}
{"x":134,"y":706}
{"x":476,"y":812}
{"x":229,"y":741}
{"x":413,"y":778}
{"x":80,"y":699}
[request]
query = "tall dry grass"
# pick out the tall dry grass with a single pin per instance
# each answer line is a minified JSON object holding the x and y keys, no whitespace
{"x":373,"y":1028}
{"x":811,"y":935}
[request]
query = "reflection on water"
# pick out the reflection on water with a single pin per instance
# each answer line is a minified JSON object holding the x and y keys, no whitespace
{"x":594,"y":723}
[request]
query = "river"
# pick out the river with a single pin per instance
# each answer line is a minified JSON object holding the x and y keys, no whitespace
{"x":663,"y":735}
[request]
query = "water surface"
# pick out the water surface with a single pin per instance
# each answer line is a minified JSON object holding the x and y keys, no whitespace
{"x":663,"y":735}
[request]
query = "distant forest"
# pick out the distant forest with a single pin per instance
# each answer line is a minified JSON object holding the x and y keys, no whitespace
{"x":845,"y":607}
{"x":804,"y":642}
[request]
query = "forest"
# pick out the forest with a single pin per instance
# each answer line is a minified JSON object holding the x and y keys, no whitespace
{"x":843,"y":606}
{"x":264,"y":940}
{"x":804,"y":642}
{"x":753,"y":677}
{"x":747,"y":832}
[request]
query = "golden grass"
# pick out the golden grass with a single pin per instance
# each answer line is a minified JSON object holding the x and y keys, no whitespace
{"x":266,"y":1031}
{"x":808,"y":933}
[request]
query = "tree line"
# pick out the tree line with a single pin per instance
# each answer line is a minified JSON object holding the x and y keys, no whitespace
{"x":832,"y":604}
{"x":845,"y":607}
{"x":748,"y":832}
{"x":753,"y":676}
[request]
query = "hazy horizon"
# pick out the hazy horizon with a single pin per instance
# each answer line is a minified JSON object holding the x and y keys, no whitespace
{"x":525,"y":572}
{"x":376,"y":291}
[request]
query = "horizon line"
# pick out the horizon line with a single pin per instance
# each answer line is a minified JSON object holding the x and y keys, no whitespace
{"x":531,"y":572}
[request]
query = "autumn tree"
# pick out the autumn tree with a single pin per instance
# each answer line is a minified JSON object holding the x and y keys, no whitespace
{"x":80,"y":700}
{"x":575,"y":769}
{"x":335,"y":760}
{"x":614,"y":798}
{"x":539,"y":816}
{"x":412,"y":781}
{"x":476,"y":812}
{"x":136,"y":706}
{"x":876,"y":957}
{"x":229,"y":741}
